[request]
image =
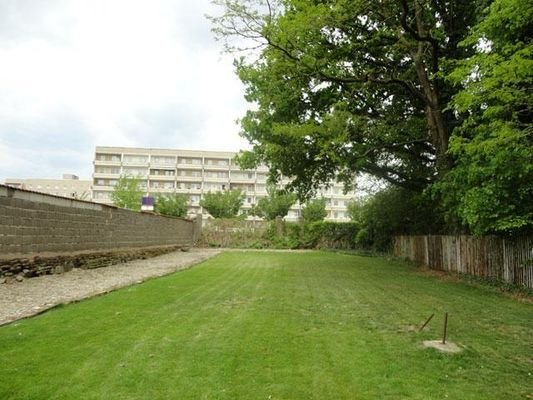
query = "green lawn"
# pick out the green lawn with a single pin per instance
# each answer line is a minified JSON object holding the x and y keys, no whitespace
{"x":275,"y":326}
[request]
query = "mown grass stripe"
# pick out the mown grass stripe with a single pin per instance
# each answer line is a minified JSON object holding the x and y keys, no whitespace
{"x":274,"y":325}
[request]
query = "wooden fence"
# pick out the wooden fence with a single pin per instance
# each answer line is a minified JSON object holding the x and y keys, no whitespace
{"x":491,"y":257}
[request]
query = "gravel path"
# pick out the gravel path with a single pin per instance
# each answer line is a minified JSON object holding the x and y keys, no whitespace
{"x":32,"y":296}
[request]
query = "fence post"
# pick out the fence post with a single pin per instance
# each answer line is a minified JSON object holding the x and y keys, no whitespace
{"x":426,"y":249}
{"x":279,"y":226}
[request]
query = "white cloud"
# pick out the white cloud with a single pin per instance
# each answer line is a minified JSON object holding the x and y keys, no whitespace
{"x":77,"y":74}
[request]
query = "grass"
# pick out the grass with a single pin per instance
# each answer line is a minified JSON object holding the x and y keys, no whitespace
{"x":275,"y":326}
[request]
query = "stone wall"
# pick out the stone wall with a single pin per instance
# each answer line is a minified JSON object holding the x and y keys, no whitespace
{"x":35,"y":226}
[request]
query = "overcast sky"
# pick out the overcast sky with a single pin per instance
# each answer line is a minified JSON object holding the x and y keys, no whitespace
{"x":75,"y":74}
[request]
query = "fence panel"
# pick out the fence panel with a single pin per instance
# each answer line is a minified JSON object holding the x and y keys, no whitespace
{"x":491,"y":257}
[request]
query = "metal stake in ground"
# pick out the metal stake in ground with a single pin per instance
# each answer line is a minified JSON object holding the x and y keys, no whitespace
{"x":427,"y":322}
{"x":445,"y":328}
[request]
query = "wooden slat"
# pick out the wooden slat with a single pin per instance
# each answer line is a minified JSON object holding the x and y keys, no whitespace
{"x":505,"y":259}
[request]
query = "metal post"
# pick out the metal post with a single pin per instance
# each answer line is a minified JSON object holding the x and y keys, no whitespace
{"x":427,"y":322}
{"x":445,"y":328}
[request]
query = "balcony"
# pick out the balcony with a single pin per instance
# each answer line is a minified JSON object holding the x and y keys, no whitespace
{"x":161,"y":161}
{"x":216,"y":164}
{"x":101,"y":175}
{"x":166,"y":178}
{"x":103,"y":187}
{"x":107,"y":163}
{"x":242,"y":179}
{"x":187,"y":162}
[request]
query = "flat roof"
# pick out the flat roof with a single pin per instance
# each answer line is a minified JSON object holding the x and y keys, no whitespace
{"x":163,"y":152}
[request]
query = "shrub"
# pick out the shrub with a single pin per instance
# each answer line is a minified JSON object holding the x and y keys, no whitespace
{"x":315,"y":210}
{"x":225,"y":204}
{"x":175,"y":205}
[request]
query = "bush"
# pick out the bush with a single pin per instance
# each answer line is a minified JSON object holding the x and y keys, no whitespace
{"x":276,"y":204}
{"x":233,"y":233}
{"x":393,"y":211}
{"x":315,"y":210}
{"x":329,"y":235}
{"x":175,"y":204}
{"x":278,"y":234}
{"x":224,"y":204}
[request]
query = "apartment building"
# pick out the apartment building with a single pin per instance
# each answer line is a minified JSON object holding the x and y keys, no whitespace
{"x":193,"y":173}
{"x":70,"y":186}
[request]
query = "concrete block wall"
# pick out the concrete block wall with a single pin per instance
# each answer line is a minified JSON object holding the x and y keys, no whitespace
{"x":39,"y":224}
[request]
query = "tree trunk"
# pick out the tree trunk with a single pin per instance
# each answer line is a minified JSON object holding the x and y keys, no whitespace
{"x":425,"y":56}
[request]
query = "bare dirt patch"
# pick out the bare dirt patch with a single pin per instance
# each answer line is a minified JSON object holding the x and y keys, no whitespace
{"x":448,"y":347}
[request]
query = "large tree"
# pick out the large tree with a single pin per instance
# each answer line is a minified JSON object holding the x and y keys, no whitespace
{"x":490,"y":189}
{"x":276,"y":204}
{"x":348,"y":86}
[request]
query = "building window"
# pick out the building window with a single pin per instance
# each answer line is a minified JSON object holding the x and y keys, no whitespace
{"x":221,"y":162}
{"x":108,"y":157}
{"x":134,"y":158}
{"x":102,"y":195}
{"x":216,"y":174}
{"x":190,"y":172}
{"x":189,"y":160}
{"x":162,"y":172}
{"x":107,"y":170}
{"x":163,"y":160}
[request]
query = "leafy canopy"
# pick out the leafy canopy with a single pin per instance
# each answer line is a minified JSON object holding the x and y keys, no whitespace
{"x":343,"y":87}
{"x":225,"y":204}
{"x":315,"y":210}
{"x":393,"y":211}
{"x":127,"y":193}
{"x":175,"y":204}
{"x":491,"y":187}
{"x":276,"y":204}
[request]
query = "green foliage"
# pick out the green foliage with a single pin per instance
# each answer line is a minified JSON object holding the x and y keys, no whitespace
{"x":329,"y":235}
{"x":276,"y":204}
{"x":278,"y":234}
{"x":393,"y":211}
{"x":430,"y":96}
{"x":234,"y":233}
{"x":288,"y":237}
{"x":175,"y":204}
{"x":315,"y":210}
{"x":355,"y":210}
{"x":344,"y":87}
{"x":491,"y":187}
{"x":225,"y":204}
{"x":127,"y":193}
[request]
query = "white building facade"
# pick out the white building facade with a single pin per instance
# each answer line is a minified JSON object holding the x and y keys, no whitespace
{"x":70,"y":186}
{"x":194,"y":173}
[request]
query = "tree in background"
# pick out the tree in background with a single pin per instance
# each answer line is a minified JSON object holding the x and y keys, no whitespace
{"x":127,"y":193}
{"x":393,"y":211}
{"x":276,"y":204}
{"x":315,"y":210}
{"x":175,"y":204}
{"x":225,"y":204}
{"x":490,"y":190}
{"x":344,"y":87}
{"x":429,"y":96}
